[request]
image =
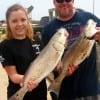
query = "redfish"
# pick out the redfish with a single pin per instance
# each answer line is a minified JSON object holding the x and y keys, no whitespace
{"x":76,"y":53}
{"x":45,"y":63}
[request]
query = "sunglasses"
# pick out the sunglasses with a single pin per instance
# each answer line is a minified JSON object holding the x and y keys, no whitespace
{"x":61,"y":1}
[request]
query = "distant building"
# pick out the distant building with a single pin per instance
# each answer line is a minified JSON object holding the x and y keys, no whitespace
{"x":2,"y":22}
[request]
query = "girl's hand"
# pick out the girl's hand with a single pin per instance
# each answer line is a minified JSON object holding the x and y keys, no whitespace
{"x":30,"y":86}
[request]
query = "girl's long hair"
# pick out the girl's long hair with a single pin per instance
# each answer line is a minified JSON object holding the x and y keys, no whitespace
{"x":16,"y":7}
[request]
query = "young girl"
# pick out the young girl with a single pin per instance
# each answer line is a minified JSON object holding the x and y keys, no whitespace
{"x":18,"y":51}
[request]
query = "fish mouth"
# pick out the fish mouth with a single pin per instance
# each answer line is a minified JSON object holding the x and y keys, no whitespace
{"x":91,"y":38}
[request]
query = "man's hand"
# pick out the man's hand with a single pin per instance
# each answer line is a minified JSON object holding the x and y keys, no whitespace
{"x":71,"y":69}
{"x":97,"y":35}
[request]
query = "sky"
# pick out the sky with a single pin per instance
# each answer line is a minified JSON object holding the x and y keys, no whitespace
{"x":41,"y":7}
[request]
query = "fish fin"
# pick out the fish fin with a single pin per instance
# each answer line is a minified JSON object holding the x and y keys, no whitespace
{"x":19,"y":94}
{"x":54,"y":95}
{"x":54,"y":88}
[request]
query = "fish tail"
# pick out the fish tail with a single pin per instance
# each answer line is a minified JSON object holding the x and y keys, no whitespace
{"x":19,"y":94}
{"x":55,"y":87}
